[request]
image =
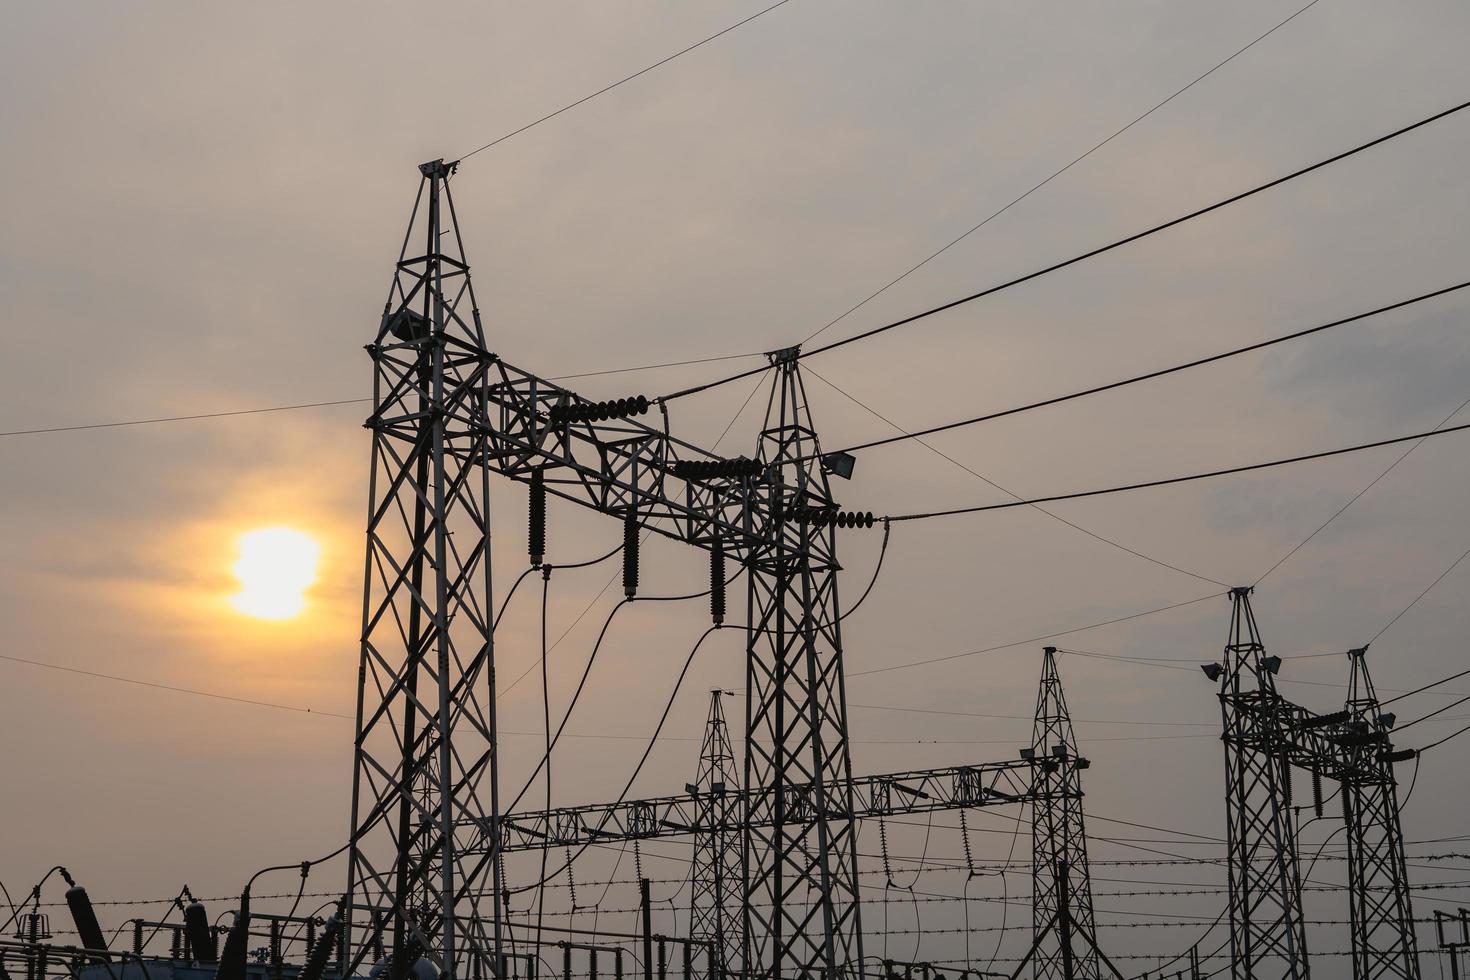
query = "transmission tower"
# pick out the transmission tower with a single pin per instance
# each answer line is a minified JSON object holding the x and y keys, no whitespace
{"x":1059,"y":872}
{"x":425,"y":743}
{"x":715,"y":878}
{"x":800,"y":845}
{"x":1378,"y":881}
{"x":1267,"y":934}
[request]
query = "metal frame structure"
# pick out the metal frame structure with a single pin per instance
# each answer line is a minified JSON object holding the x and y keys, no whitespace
{"x":801,"y":909}
{"x":427,"y":835}
{"x":425,"y":745}
{"x":714,"y":879}
{"x":1060,"y":877}
{"x":1382,"y":913}
{"x":890,"y":794}
{"x":1267,"y":933}
{"x":447,"y":414}
{"x":1265,"y":736}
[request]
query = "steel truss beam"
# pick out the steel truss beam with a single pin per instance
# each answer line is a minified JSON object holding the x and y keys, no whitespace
{"x":891,"y":794}
{"x":448,"y":413}
{"x":1265,"y":737}
{"x":1382,"y":916}
{"x":714,"y":880}
{"x":1267,"y":934}
{"x":424,"y":762}
{"x":801,"y":910}
{"x":1061,"y":882}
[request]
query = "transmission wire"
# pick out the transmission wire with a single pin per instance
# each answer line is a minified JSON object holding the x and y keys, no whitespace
{"x":991,"y":290}
{"x":1076,"y":160}
{"x":1170,"y":481}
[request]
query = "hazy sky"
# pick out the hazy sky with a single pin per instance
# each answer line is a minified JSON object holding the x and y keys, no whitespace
{"x":202,"y":206}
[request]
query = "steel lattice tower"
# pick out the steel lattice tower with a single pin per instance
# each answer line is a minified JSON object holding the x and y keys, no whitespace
{"x":1267,"y":934}
{"x":799,"y":851}
{"x":424,"y":760}
{"x":715,"y":879}
{"x":1378,"y":880}
{"x":1059,"y":839}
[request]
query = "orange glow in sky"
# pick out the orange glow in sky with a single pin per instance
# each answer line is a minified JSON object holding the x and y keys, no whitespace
{"x":276,"y":567}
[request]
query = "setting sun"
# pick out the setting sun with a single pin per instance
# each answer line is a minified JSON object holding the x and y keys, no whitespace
{"x":276,"y":567}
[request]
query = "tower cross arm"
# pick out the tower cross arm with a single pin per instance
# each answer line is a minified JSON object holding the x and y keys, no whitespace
{"x":603,"y":456}
{"x":891,"y":794}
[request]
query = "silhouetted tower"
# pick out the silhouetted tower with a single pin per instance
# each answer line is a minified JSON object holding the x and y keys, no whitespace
{"x":715,"y":886}
{"x":424,"y":765}
{"x":1378,"y":880}
{"x":1059,"y":871}
{"x":1267,"y":935}
{"x":800,"y":845}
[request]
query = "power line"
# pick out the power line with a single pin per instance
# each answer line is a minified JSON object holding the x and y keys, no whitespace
{"x":991,"y":290}
{"x":1421,"y":595}
{"x":656,"y":367}
{"x":1169,"y":481}
{"x":1354,"y":498}
{"x":608,"y":88}
{"x":1420,"y":690}
{"x":1178,"y":665}
{"x":983,"y":714}
{"x":176,"y":690}
{"x":183,"y":418}
{"x":1151,"y":375}
{"x":1432,"y":745}
{"x":1076,"y":160}
{"x":985,"y":479}
{"x":346,"y":401}
{"x":1437,"y":711}
{"x":1034,"y":639}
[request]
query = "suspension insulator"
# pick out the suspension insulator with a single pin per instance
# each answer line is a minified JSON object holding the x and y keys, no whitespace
{"x":1286,"y":783}
{"x":717,"y":582}
{"x":832,"y":517}
{"x":1316,"y":792}
{"x":196,"y":930}
{"x":630,"y":553}
{"x":1347,"y":805}
{"x":536,"y":537}
{"x":1324,"y":721}
{"x":739,"y":468}
{"x":620,"y":408}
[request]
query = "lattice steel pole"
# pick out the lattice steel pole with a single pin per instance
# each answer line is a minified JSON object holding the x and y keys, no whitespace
{"x":715,"y":884}
{"x":1060,"y":879}
{"x":800,"y":842}
{"x":1378,"y":879}
{"x":424,"y":762}
{"x":1267,"y":934}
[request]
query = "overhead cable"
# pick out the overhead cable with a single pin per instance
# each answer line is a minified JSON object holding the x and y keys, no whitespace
{"x":991,"y":290}
{"x":1151,"y":375}
{"x":1169,"y":481}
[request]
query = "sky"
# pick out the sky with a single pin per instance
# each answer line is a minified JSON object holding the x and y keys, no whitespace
{"x":203,"y":204}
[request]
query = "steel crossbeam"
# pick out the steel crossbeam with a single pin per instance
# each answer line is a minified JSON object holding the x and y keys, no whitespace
{"x":890,"y":794}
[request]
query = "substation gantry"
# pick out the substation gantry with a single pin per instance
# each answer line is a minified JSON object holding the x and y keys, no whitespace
{"x":427,"y":831}
{"x":1266,"y":738}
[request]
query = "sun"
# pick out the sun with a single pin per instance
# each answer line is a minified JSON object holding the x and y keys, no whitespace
{"x":276,"y":567}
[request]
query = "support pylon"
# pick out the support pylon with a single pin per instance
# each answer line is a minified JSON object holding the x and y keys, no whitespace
{"x":1267,"y":934}
{"x":799,"y":853}
{"x":715,"y":886}
{"x":1060,"y":879}
{"x":1378,"y":880}
{"x":424,"y":763}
